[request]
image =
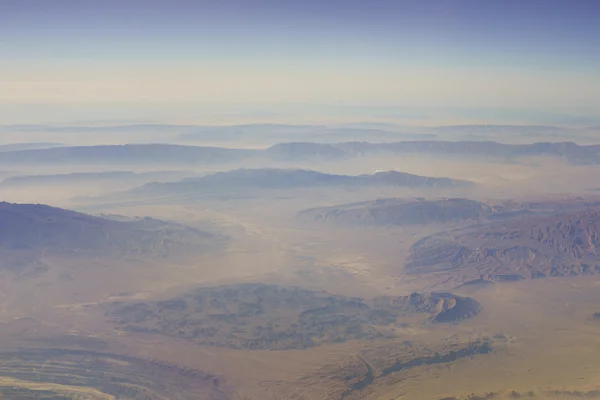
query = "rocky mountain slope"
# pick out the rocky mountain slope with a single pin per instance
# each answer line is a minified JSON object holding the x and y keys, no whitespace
{"x":561,"y":244}
{"x":33,"y":229}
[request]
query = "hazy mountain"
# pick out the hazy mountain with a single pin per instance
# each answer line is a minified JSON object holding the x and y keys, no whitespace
{"x":502,"y":129}
{"x":271,"y":178}
{"x":304,"y":150}
{"x":26,"y":146}
{"x":569,"y":151}
{"x":33,"y":229}
{"x":259,"y":133}
{"x":508,"y":133}
{"x":255,"y":134}
{"x":127,"y":154}
{"x":278,"y":133}
{"x":385,"y":212}
{"x":296,"y":151}
{"x":94,"y":178}
{"x":95,"y":129}
{"x":516,"y":134}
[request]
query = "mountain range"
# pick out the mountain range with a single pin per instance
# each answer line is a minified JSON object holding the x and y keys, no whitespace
{"x":126,"y":154}
{"x":295,"y":151}
{"x":273,"y":178}
{"x":93,"y":178}
{"x":387,"y":212}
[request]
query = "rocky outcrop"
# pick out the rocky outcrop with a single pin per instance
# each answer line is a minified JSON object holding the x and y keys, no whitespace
{"x":258,"y":316}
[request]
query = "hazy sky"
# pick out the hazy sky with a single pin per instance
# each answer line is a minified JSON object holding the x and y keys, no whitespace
{"x":130,"y":55}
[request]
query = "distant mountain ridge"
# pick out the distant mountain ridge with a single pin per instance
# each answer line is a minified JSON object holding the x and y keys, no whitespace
{"x":27,"y":146}
{"x":129,"y":154}
{"x":359,"y":131}
{"x":399,"y":212}
{"x":301,"y":150}
{"x":295,"y":151}
{"x":91,"y":178}
{"x":570,"y":151}
{"x":273,"y":178}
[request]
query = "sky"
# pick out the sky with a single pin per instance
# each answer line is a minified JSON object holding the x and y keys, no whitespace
{"x":72,"y":60}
